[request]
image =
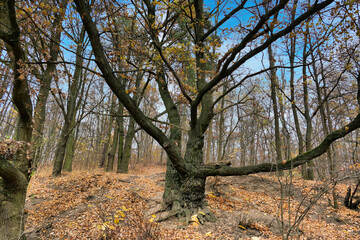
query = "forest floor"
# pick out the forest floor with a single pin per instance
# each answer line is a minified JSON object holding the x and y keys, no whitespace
{"x":98,"y":205}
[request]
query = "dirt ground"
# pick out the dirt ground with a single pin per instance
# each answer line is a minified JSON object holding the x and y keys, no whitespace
{"x":98,"y":205}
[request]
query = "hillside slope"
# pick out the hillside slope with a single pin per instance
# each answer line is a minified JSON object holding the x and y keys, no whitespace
{"x":98,"y":205}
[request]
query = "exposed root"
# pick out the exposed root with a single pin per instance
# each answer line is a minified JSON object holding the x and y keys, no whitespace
{"x":190,"y":216}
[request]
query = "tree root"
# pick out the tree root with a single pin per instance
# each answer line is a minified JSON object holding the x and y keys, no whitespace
{"x":189,"y":216}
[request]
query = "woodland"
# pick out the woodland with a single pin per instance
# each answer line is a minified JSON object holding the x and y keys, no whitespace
{"x":174,"y":119}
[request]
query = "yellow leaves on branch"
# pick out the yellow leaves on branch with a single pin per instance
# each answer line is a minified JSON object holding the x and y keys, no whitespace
{"x":130,"y":90}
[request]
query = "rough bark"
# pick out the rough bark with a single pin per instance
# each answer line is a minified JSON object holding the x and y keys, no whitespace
{"x":113,"y":148}
{"x":69,"y":152}
{"x":123,"y":165}
{"x":14,"y":172}
{"x":13,"y":186}
{"x":122,"y":146}
{"x":108,"y":121}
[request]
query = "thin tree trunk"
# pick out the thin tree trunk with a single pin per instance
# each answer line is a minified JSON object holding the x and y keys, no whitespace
{"x":114,"y":146}
{"x":221,"y":127}
{"x":108,"y":122}
{"x":309,"y":174}
{"x":274,"y":86}
{"x":121,"y":148}
{"x":70,"y":114}
{"x":326,"y":124}
{"x":45,"y":82}
{"x":69,"y":152}
{"x":208,"y":143}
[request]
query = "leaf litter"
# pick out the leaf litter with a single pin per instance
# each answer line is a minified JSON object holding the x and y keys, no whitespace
{"x":98,"y":205}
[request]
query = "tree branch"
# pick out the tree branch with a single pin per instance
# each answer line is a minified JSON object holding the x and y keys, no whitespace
{"x":119,"y":89}
{"x":297,"y":161}
{"x":226,"y":71}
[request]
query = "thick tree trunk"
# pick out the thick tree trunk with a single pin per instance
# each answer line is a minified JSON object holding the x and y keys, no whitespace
{"x":184,"y":196}
{"x":13,"y":186}
{"x":14,"y":172}
{"x":192,"y":173}
{"x":69,"y":153}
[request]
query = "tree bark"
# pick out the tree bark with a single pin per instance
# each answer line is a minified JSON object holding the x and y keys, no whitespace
{"x":114,"y":146}
{"x":69,"y":152}
{"x":14,"y":175}
{"x":274,"y":86}
{"x":123,"y":165}
{"x":107,"y":139}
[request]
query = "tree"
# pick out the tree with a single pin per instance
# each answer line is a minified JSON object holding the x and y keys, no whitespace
{"x":45,"y":77}
{"x":14,"y":175}
{"x":71,"y":108}
{"x":190,"y":168}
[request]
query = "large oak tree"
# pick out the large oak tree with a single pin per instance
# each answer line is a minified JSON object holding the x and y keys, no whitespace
{"x":188,"y":187}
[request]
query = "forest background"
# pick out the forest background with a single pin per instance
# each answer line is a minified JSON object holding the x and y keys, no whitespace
{"x":208,"y":88}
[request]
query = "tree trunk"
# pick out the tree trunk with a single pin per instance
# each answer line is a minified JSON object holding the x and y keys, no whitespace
{"x":121,"y":148}
{"x":61,"y":149}
{"x":69,"y":153}
{"x":45,"y":82}
{"x":326,"y":124}
{"x":107,"y":139}
{"x":70,"y":114}
{"x":14,"y":175}
{"x":309,"y":172}
{"x":184,"y":196}
{"x":114,"y":145}
{"x":221,"y":127}
{"x":208,"y":143}
{"x":274,"y":86}
{"x":13,"y":186}
{"x":123,"y":166}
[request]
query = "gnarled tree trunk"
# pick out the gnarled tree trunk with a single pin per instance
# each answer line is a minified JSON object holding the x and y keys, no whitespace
{"x":14,"y":161}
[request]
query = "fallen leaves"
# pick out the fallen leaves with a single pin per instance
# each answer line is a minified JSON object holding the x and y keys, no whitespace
{"x":85,"y":205}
